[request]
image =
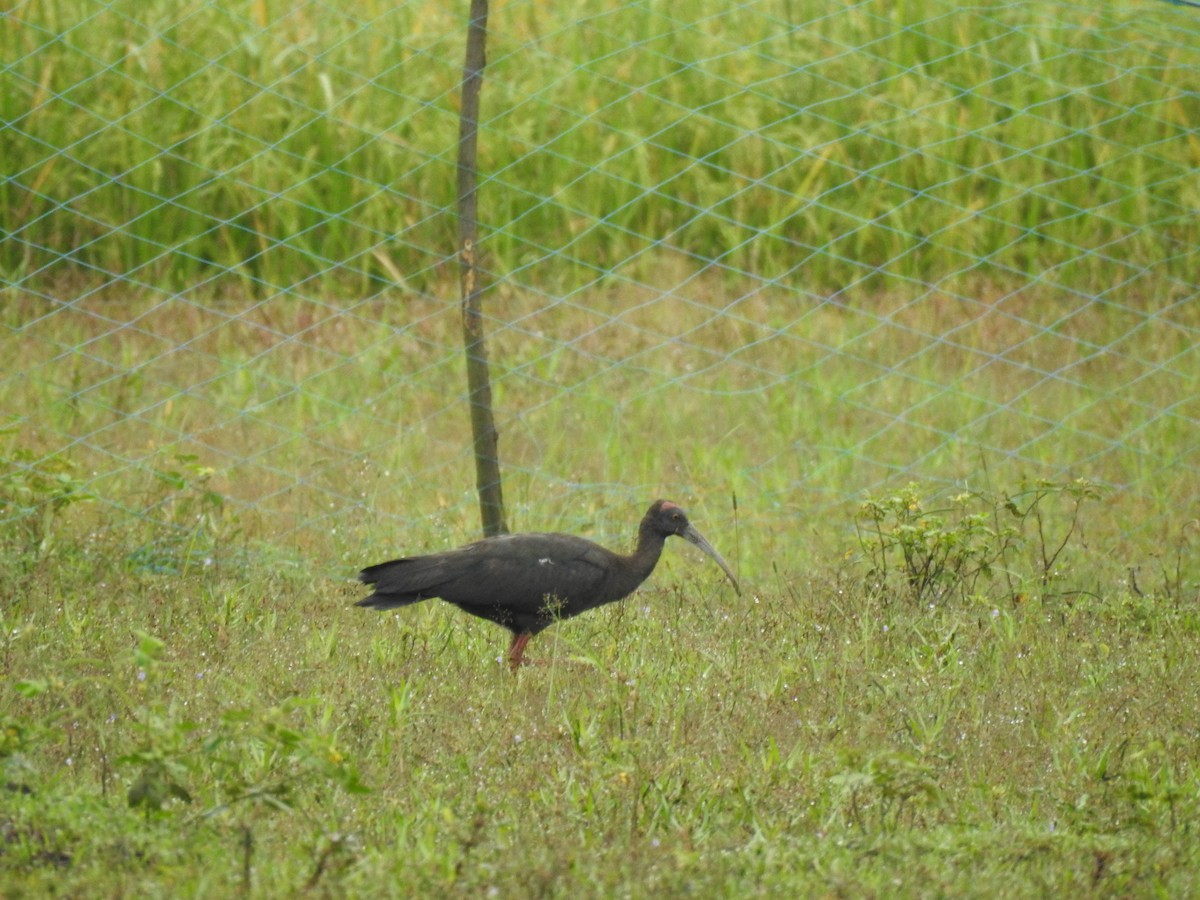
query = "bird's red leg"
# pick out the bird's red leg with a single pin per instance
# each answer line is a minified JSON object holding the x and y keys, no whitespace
{"x":516,"y":650}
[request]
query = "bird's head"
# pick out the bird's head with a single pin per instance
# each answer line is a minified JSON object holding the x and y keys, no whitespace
{"x":667,"y":519}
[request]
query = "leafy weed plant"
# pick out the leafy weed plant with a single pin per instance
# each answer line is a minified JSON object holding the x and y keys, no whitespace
{"x":35,"y":492}
{"x":190,"y":522}
{"x":957,"y":548}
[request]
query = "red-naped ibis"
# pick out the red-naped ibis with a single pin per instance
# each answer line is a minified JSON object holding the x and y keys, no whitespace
{"x":527,"y":582}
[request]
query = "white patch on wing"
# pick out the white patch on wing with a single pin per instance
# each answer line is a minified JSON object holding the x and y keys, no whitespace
{"x":545,"y":561}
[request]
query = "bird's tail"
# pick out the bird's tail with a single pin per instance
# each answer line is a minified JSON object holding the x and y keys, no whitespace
{"x":395,"y":585}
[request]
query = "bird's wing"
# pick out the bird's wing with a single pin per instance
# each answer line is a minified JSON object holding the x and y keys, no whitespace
{"x":520,"y":571}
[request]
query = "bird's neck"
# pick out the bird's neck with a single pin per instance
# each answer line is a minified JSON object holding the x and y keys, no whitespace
{"x":645,"y":557}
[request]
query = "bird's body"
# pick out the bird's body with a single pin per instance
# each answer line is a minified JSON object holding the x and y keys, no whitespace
{"x":510,"y":579}
{"x":526,"y":582}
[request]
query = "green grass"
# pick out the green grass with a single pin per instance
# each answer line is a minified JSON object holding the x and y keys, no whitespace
{"x":325,"y":427}
{"x":179,"y":633}
{"x":173,"y":146}
{"x":813,"y":738}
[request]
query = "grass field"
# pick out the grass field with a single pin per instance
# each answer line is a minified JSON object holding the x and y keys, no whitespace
{"x":1022,"y":722}
{"x":815,"y":737}
{"x":774,"y":275}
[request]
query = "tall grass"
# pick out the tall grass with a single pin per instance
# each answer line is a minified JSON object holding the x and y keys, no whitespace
{"x":821,"y":150}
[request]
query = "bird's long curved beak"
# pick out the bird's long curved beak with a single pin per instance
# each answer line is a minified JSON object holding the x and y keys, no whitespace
{"x":691,"y":535}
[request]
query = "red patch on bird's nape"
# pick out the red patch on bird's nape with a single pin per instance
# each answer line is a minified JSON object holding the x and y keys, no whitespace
{"x":667,"y":504}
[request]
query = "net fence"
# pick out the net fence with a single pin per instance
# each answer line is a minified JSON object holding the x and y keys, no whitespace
{"x":781,"y":251}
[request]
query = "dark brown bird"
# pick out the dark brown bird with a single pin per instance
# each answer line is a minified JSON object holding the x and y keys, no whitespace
{"x":527,"y":582}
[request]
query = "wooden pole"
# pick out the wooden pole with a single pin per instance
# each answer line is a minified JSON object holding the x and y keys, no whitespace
{"x":483,"y":424}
